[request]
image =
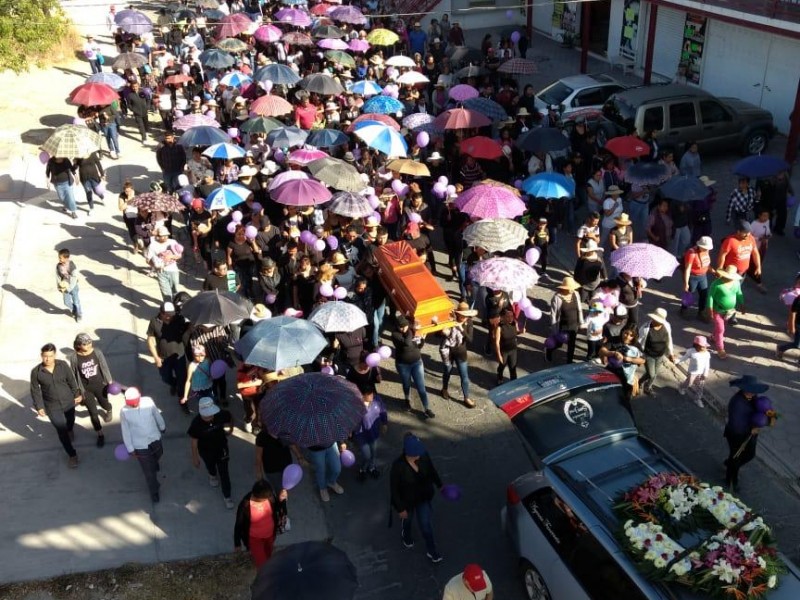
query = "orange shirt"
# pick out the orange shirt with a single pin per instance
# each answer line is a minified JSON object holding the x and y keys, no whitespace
{"x":261,"y":524}
{"x":698,"y":262}
{"x":738,"y":252}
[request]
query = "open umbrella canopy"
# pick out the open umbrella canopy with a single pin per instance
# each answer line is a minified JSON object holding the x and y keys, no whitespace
{"x":112,"y":80}
{"x":301,"y":192}
{"x":480,"y":146}
{"x":306,"y":571}
{"x":231,"y":45}
{"x":383,"y":138}
{"x":92,"y":94}
{"x":643,"y":260}
{"x":385,"y":119}
{"x":333,"y":44}
{"x":549,"y":185}
{"x":232,"y":25}
{"x":400,"y":60}
{"x":326,"y":138}
{"x":133,"y":21}
{"x":216,"y":308}
{"x":216,"y":59}
{"x":327,"y":32}
{"x":285,"y":176}
{"x":382,"y":37}
{"x":487,"y":107}
{"x":501,"y":273}
{"x":303,"y":156}
{"x":470,"y":71}
{"x":337,"y":174}
{"x":412,"y":78}
{"x":321,"y":9}
{"x":543,"y":139}
{"x":227,"y":196}
{"x":358,"y":45}
{"x":646,"y":173}
{"x":322,"y":84}
{"x":204,"y":135}
{"x":761,"y":166}
{"x":366,"y":87}
{"x":496,"y":235}
{"x":72,"y":141}
{"x":463,"y":92}
{"x":684,"y":188}
{"x":408,"y":166}
{"x":157,"y":202}
{"x":277,"y":74}
{"x":627,"y":146}
{"x":490,"y":202}
{"x":286,"y":137}
{"x":178,"y":79}
{"x":260,"y":125}
{"x":270,"y":105}
{"x":294,"y":16}
{"x":224,"y":150}
{"x":267,"y":34}
{"x":348,"y":14}
{"x":335,"y":317}
{"x":280,"y":343}
{"x":519,"y":66}
{"x":349,"y":204}
{"x":461,"y":118}
{"x":297,"y":38}
{"x":340,"y":58}
{"x":312,"y":409}
{"x":419,"y":121}
{"x":128,"y":60}
{"x":194,"y":120}
{"x":384,"y":105}
{"x":235,"y":79}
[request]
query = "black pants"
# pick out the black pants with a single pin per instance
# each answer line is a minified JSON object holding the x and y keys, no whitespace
{"x":92,"y":397}
{"x":220,"y":390}
{"x":250,"y":403}
{"x":780,"y":215}
{"x":593,"y":346}
{"x":509,"y":360}
{"x":64,"y":422}
{"x":732,"y":465}
{"x":217,"y":466}
{"x":572,"y":336}
{"x":143,"y":124}
{"x":148,"y":459}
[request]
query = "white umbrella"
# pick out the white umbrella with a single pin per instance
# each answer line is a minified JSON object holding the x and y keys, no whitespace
{"x":412,"y":78}
{"x":335,"y":316}
{"x":401,"y":61}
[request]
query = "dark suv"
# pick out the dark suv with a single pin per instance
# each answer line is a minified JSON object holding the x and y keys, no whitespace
{"x":680,"y":114}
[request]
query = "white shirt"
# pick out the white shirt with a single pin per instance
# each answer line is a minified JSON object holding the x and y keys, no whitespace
{"x":615,"y":206}
{"x":699,"y":362}
{"x":760,"y":230}
{"x":141,"y":426}
{"x":157,"y":254}
{"x":456,"y":590}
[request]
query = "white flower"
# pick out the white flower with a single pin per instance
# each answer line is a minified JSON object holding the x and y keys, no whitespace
{"x":772,"y":581}
{"x":762,"y":563}
{"x":659,"y":562}
{"x":681,"y":568}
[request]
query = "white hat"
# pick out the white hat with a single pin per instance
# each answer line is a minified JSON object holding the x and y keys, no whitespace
{"x":705,"y":242}
{"x":435,"y":156}
{"x":161,"y":231}
{"x":248,"y":171}
{"x":270,"y":168}
{"x":659,"y":315}
{"x":183,"y":180}
{"x":591,"y":246}
{"x":132,"y":396}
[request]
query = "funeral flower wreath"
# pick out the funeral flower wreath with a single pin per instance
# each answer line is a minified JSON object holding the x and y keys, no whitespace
{"x":682,"y":530}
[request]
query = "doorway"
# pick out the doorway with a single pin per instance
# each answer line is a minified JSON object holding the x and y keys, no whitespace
{"x":600,"y":18}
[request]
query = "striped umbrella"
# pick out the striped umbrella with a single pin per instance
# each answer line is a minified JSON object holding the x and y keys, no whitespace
{"x":312,"y":409}
{"x":194,"y":120}
{"x":336,"y":317}
{"x":337,"y":174}
{"x":270,"y":106}
{"x":519,"y":66}
{"x":224,"y":150}
{"x":301,"y":192}
{"x":348,"y":204}
{"x":112,"y":80}
{"x":203,"y":135}
{"x":235,"y":79}
{"x":366,"y":87}
{"x":227,"y":196}
{"x":72,"y":141}
{"x":385,"y":105}
{"x":487,"y":107}
{"x":382,"y":138}
{"x":277,"y":74}
{"x":267,"y":34}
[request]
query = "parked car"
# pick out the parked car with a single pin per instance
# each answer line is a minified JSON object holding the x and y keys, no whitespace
{"x":681,"y":113}
{"x":577,"y":92}
{"x":585,"y":450}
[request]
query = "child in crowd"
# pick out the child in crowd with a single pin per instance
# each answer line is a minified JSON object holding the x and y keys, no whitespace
{"x":594,"y":329}
{"x":699,"y":359}
{"x":541,"y":240}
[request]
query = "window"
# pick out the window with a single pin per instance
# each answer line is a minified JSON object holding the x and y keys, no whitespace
{"x":713,"y":112}
{"x":590,"y":97}
{"x":599,"y":573}
{"x":556,"y":521}
{"x":681,"y":114}
{"x":654,"y":119}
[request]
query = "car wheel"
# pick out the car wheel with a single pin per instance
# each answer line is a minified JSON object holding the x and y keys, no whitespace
{"x":535,"y":587}
{"x":755,"y":143}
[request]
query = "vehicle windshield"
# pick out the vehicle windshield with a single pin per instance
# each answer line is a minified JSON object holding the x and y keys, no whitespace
{"x":574,"y":416}
{"x":555,"y":94}
{"x":620,"y":112}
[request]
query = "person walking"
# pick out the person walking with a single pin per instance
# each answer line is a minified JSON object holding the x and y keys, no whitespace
{"x":454,"y":351}
{"x":259,"y":518}
{"x":740,"y":430}
{"x":696,"y":265}
{"x":55,"y":393}
{"x":67,"y":284}
{"x":327,"y":468}
{"x":60,"y":174}
{"x":741,"y":203}
{"x":566,"y":317}
{"x":505,"y":344}
{"x":163,"y":255}
{"x":165,"y":343}
{"x":171,"y":158}
{"x":91,"y":371}
{"x":91,"y":175}
{"x":655,"y":338}
{"x":373,"y":424}
{"x":199,"y":382}
{"x":413,"y":483}
{"x":209,"y":432}
{"x":142,"y":425}
{"x":138,"y":105}
{"x":471,"y":584}
{"x":724,"y":297}
{"x":740,"y":250}
{"x":792,"y":322}
{"x":699,"y":359}
{"x":408,"y":361}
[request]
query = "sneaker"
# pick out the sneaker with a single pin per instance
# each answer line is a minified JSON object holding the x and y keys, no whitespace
{"x":326,"y":497}
{"x":469,"y":403}
{"x":429,"y":414}
{"x":213,"y":481}
{"x":733,"y":321}
{"x":407,"y":405}
{"x":108,"y":416}
{"x":407,"y":544}
{"x":101,"y":441}
{"x":337,"y":488}
{"x":72,"y":462}
{"x":228,"y":503}
{"x":248,"y":427}
{"x":699,"y":402}
{"x":435,"y":557}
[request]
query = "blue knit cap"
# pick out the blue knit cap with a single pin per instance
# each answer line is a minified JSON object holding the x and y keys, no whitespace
{"x":412,"y":446}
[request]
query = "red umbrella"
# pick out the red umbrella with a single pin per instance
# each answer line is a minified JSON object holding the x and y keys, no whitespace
{"x":92,"y":94}
{"x":301,"y":192}
{"x":178,"y":79}
{"x":480,"y":146}
{"x":232,"y":25}
{"x":321,"y":9}
{"x":627,"y":146}
{"x":270,"y":106}
{"x":385,"y":119}
{"x":461,"y":118}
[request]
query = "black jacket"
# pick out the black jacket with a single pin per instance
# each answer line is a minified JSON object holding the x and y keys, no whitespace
{"x":410,"y":488}
{"x":241,"y":529}
{"x":138,"y":104}
{"x":54,"y":391}
{"x":406,"y":350}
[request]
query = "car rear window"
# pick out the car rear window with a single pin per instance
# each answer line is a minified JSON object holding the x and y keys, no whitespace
{"x":555,"y":94}
{"x":574,"y":416}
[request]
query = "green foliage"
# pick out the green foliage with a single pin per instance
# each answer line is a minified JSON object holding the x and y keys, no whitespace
{"x":29,"y":29}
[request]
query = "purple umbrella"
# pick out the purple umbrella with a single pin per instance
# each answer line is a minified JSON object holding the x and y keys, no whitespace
{"x":490,"y":202}
{"x":347,"y":14}
{"x":462,"y":92}
{"x":501,"y":273}
{"x":294,"y":16}
{"x":644,"y":260}
{"x":358,"y":45}
{"x":189,"y":121}
{"x":333,"y":44}
{"x":301,"y":192}
{"x":285,"y":177}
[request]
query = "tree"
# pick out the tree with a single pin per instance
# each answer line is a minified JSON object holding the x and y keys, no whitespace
{"x":29,"y":29}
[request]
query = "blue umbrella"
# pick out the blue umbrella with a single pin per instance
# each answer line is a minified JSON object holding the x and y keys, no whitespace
{"x":684,"y":188}
{"x":277,"y":74}
{"x":224,"y":150}
{"x":235,"y":79}
{"x":281,"y":342}
{"x":366,"y":87}
{"x":647,"y":173}
{"x":383,"y":105}
{"x":133,"y":21}
{"x":287,"y":137}
{"x":549,"y":185}
{"x":759,"y":167}
{"x":216,"y":59}
{"x":214,"y":15}
{"x":487,"y":107}
{"x":326,"y":138}
{"x":381,"y":137}
{"x":227,"y":196}
{"x":112,"y":80}
{"x":204,"y":135}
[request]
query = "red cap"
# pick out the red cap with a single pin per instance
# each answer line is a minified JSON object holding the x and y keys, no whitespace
{"x":197,"y":203}
{"x":473,"y":578}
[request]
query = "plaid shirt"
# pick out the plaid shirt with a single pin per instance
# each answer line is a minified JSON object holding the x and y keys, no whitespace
{"x":740,"y":202}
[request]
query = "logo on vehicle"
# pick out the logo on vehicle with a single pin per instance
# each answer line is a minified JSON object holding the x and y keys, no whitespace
{"x":578,"y":412}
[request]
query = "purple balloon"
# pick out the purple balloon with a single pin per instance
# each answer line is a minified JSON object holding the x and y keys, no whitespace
{"x":385,"y":352}
{"x":374,"y":202}
{"x":237,"y":216}
{"x":218,"y":368}
{"x":515,"y":37}
{"x":327,"y":370}
{"x":114,"y":388}
{"x":121,"y":453}
{"x":44,"y":157}
{"x":270,"y":298}
{"x":250,"y":232}
{"x":373,"y":359}
{"x":332,"y":241}
{"x":532,"y":256}
{"x":762,"y":404}
{"x":451,"y":492}
{"x":257,"y":207}
{"x":518,"y":184}
{"x":326,"y":290}
{"x":509,"y":14}
{"x":439,"y":189}
{"x":399,"y":188}
{"x":759,"y":420}
{"x":340,"y":293}
{"x":231,"y":228}
{"x":348,"y":458}
{"x":279,"y":156}
{"x":451,"y":190}
{"x":550,"y":343}
{"x":423,"y":139}
{"x":376,"y":216}
{"x":562,"y":337}
{"x":533,"y":313}
{"x":414,"y":218}
{"x":292,"y":475}
{"x":305,"y":236}
{"x":443,"y":180}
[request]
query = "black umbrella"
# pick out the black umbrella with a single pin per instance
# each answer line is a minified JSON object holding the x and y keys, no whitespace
{"x":321,"y":84}
{"x":543,"y":139}
{"x":216,"y":308}
{"x":684,"y":188}
{"x":306,"y":571}
{"x":647,"y":172}
{"x":128,"y":60}
{"x":327,"y":32}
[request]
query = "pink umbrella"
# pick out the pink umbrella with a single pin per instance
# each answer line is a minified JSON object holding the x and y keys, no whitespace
{"x":267,"y":34}
{"x":294,"y":16}
{"x":301,"y":192}
{"x":320,"y":10}
{"x":303,"y":156}
{"x":333,"y":44}
{"x":189,"y":121}
{"x":463,"y":92}
{"x":501,"y":273}
{"x":285,"y":177}
{"x":490,"y":202}
{"x":232,"y":25}
{"x":348,"y":14}
{"x":358,"y":45}
{"x":270,"y":106}
{"x":461,"y":118}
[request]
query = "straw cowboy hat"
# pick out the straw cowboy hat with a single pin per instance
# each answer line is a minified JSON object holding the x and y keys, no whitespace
{"x":464,"y":310}
{"x":568,"y":283}
{"x":614,"y":191}
{"x":523,"y":112}
{"x":623,"y":219}
{"x":659,"y":315}
{"x":729,"y":273}
{"x":338,"y":259}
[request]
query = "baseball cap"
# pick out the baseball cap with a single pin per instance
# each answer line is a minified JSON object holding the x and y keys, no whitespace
{"x":132,"y":396}
{"x":82,"y":339}
{"x":197,"y":203}
{"x":473,"y":577}
{"x":401,"y":321}
{"x":168,"y":308}
{"x":207,"y":407}
{"x":621,"y":311}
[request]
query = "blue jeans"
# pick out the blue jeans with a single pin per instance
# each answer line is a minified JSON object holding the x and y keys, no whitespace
{"x":327,"y":465}
{"x":424,"y":513}
{"x":67,"y":195}
{"x":699,"y":284}
{"x":369,"y":454}
{"x":681,"y":241}
{"x":73,"y":302}
{"x":95,"y":66}
{"x":171,"y":181}
{"x":639,"y":213}
{"x":168,"y":284}
{"x":462,"y":280}
{"x":415,"y":371}
{"x":377,"y":320}
{"x":463,"y":373}
{"x":173,"y":371}
{"x":795,"y":343}
{"x":111,"y":131}
{"x":89,"y":187}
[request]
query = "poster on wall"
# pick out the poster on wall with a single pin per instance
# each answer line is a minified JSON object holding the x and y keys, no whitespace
{"x":630,"y":29}
{"x":564,"y":17}
{"x":558,"y":11}
{"x":694,"y":40}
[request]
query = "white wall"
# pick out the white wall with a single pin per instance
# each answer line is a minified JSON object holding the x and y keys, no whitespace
{"x":615,"y":26}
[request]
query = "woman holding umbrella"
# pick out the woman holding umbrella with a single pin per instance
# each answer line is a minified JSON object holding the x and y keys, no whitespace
{"x":742,"y":426}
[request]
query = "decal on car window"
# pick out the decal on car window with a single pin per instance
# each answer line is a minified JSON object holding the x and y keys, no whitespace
{"x":578,"y":412}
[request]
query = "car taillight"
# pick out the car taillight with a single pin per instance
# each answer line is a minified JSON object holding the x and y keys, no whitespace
{"x":512,"y":497}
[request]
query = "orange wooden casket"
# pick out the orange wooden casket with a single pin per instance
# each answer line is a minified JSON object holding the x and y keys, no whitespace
{"x":412,"y":288}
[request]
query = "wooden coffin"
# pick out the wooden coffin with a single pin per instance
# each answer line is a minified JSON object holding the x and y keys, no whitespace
{"x":412,"y":288}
